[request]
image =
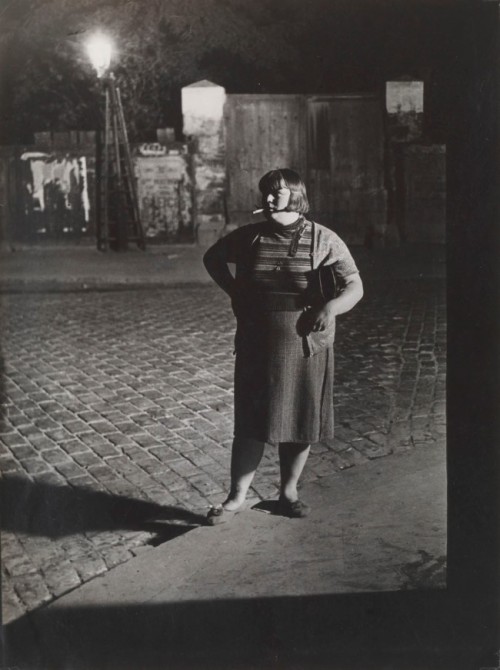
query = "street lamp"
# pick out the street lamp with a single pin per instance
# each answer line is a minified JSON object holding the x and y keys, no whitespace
{"x":117,"y":210}
{"x":99,"y":49}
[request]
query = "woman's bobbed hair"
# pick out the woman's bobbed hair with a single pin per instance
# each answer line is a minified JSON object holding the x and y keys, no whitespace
{"x":285,"y":178}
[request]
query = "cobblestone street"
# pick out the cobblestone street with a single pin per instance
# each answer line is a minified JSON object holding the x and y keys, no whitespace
{"x":118,"y":417}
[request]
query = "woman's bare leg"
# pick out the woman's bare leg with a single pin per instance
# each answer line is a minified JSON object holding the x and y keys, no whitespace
{"x":293,"y":457}
{"x":245,"y":457}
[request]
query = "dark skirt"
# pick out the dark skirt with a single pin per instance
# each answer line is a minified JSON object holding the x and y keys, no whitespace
{"x":280,"y":394}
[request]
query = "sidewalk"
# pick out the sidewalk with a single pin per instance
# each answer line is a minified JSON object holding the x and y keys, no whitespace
{"x":84,"y":268}
{"x":262,"y":587}
{"x":111,"y":418}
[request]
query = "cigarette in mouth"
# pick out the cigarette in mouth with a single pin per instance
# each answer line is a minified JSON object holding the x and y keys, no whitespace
{"x":258,"y":211}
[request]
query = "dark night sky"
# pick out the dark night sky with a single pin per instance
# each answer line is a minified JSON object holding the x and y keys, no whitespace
{"x":348,"y":46}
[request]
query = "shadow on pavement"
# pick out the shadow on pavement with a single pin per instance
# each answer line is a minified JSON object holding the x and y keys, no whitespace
{"x":56,"y":511}
{"x":390,"y":631}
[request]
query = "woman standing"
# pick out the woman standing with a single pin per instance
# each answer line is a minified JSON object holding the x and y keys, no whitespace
{"x":283,"y":390}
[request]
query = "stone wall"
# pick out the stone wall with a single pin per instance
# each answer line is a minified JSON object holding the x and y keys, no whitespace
{"x":424,"y":182}
{"x":52,"y":189}
{"x":405,"y":110}
{"x":203,"y":125}
{"x":5,"y":159}
{"x":165,"y":192}
{"x":415,"y":169}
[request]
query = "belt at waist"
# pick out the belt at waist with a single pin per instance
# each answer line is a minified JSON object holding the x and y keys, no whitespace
{"x":277,"y":302}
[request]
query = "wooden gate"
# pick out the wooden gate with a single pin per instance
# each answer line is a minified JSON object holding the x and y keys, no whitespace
{"x":345,"y":176}
{"x":263,"y":132}
{"x":336,"y":143}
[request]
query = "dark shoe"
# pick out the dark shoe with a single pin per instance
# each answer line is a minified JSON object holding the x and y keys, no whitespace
{"x":294,"y":510}
{"x":218,"y":515}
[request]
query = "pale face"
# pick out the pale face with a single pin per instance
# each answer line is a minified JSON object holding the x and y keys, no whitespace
{"x":274,"y":204}
{"x":277,"y":200}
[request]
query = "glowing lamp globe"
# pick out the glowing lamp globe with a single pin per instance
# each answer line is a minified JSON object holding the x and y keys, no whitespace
{"x":99,"y":49}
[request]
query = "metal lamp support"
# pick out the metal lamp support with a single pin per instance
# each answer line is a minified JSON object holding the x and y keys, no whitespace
{"x":118,"y":220}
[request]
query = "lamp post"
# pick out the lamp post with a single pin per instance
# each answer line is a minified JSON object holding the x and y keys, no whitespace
{"x":118,"y":220}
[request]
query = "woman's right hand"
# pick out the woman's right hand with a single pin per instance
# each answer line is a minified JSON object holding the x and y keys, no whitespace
{"x":216,"y":265}
{"x":323,"y":318}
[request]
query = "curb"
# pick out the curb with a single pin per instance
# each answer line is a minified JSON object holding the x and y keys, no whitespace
{"x":79,"y":286}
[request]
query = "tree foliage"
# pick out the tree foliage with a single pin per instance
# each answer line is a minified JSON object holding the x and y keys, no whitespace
{"x":161,"y":46}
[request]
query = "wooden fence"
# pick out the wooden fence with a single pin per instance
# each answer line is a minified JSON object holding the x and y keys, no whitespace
{"x":336,"y":143}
